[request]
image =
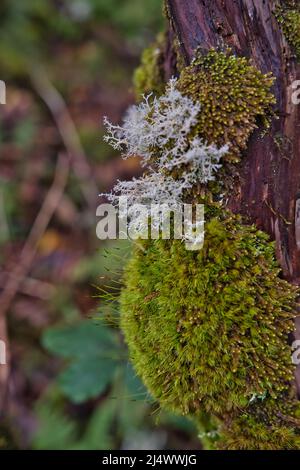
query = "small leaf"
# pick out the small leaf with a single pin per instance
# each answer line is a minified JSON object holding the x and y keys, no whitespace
{"x":87,"y":378}
{"x":83,"y":339}
{"x":94,"y":353}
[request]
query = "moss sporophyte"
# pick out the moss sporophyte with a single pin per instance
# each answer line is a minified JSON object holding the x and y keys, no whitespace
{"x":233,"y":95}
{"x":207,"y":331}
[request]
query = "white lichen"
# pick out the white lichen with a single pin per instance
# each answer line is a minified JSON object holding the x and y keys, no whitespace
{"x":155,"y":128}
{"x":197,"y":164}
{"x":154,"y":188}
{"x":132,"y":137}
{"x":153,"y":200}
{"x":159,"y":131}
{"x":152,"y":192}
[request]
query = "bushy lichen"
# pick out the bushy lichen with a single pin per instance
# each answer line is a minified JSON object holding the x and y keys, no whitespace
{"x":149,"y":76}
{"x":207,"y":331}
{"x":288,"y":16}
{"x":159,"y":131}
{"x":233,"y":94}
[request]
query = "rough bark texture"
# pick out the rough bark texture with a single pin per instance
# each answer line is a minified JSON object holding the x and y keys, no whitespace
{"x":267,"y":191}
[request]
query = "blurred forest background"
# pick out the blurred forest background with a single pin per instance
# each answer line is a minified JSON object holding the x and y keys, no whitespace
{"x":66,"y":64}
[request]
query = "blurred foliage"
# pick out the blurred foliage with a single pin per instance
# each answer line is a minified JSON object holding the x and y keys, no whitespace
{"x":98,"y":367}
{"x":31,"y":30}
{"x":72,"y":385}
{"x":94,"y":354}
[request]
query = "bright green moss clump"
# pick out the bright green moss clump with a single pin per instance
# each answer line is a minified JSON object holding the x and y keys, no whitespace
{"x":233,"y":95}
{"x":148,"y":77}
{"x":288,"y":16}
{"x":208,"y":330}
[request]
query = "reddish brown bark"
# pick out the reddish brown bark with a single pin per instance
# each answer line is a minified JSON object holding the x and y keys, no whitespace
{"x":269,"y":176}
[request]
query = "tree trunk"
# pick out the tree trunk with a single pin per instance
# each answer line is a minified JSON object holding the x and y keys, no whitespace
{"x":267,"y":190}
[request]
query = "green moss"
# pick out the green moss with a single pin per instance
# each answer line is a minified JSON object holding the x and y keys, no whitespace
{"x":233,"y":95}
{"x":149,"y":76}
{"x":180,"y":60}
{"x":288,"y":16}
{"x":208,"y":330}
{"x":266,"y":426}
{"x":208,"y":430}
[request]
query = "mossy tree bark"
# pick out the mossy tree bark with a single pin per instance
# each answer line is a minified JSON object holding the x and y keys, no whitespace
{"x":267,"y":188}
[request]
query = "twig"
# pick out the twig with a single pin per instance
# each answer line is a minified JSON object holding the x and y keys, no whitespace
{"x":28,"y":253}
{"x":31,"y":287}
{"x":4,"y":228}
{"x":4,"y":368}
{"x":277,"y":214}
{"x":66,"y":127}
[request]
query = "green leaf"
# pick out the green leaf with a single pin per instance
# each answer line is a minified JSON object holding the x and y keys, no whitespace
{"x":81,"y":340}
{"x":87,"y":378}
{"x":95,"y":355}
